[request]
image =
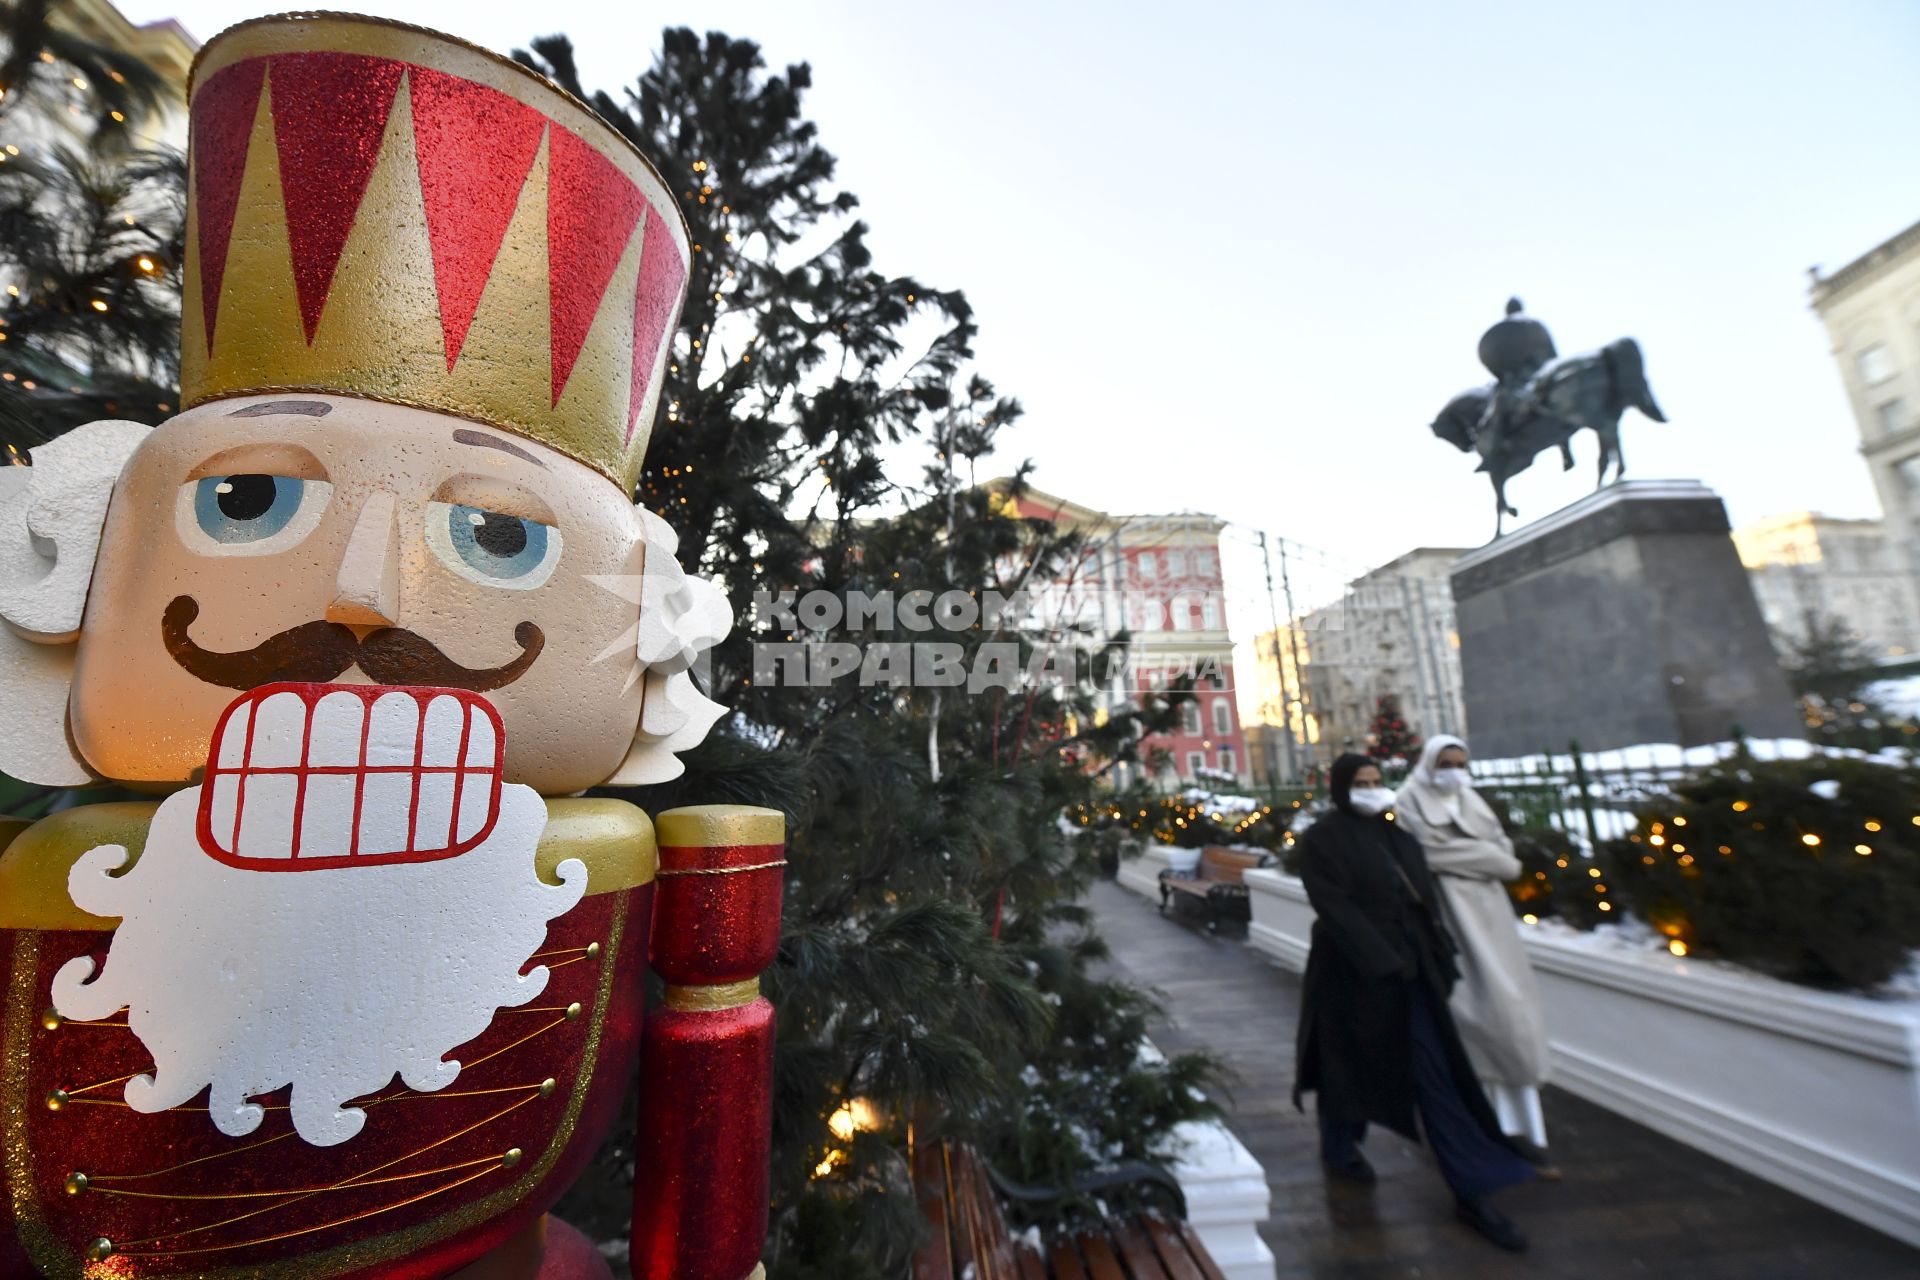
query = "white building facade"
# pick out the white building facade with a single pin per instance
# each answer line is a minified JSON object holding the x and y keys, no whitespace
{"x":1871,"y":308}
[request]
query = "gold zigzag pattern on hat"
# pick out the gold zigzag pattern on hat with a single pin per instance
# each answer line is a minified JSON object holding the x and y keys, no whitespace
{"x":382,"y":211}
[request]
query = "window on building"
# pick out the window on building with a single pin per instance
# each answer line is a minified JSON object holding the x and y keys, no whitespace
{"x":1210,"y":612}
{"x":1205,"y":564}
{"x":1875,"y":364}
{"x":1190,"y":718}
{"x":1222,"y":717}
{"x":1176,"y":564}
{"x":1908,"y":469}
{"x":1148,"y":565}
{"x":1226,"y":760}
{"x":1892,"y":415}
{"x":1196,"y":761}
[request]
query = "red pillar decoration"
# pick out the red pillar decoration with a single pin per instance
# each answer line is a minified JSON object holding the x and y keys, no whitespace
{"x":701,"y":1186}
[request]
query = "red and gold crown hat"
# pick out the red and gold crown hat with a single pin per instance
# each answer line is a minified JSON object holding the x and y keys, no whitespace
{"x":383,"y":211}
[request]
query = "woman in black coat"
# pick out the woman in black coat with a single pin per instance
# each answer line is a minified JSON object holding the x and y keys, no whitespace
{"x":1376,"y":1043}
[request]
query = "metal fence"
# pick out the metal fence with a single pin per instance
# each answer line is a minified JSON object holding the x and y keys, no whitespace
{"x":1592,"y":797}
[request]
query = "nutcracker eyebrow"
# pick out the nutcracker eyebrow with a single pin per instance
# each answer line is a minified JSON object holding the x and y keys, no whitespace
{"x":463,"y":436}
{"x":305,"y":408}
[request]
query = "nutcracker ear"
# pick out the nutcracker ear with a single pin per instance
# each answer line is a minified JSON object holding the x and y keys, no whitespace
{"x":681,"y":619}
{"x":51,"y":515}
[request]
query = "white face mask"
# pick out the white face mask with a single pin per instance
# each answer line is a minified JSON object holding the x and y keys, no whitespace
{"x":1450,"y":778}
{"x":1370,"y":800}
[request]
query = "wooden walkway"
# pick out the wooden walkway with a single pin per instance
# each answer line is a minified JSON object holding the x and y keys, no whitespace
{"x":1633,"y":1203}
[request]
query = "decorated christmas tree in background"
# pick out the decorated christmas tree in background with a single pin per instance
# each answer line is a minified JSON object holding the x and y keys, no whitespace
{"x":1389,"y":739}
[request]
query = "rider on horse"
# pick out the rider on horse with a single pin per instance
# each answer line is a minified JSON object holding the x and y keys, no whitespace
{"x":1514,"y":350}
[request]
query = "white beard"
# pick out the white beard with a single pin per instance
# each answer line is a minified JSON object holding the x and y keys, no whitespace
{"x":329,"y":980}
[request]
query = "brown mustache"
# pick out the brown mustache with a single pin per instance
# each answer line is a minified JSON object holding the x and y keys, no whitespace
{"x":318,"y":651}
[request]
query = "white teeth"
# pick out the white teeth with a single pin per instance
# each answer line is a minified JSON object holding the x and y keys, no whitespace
{"x":279,"y":732}
{"x":222,"y":807}
{"x":433,"y":816}
{"x":440,"y":736}
{"x":403,"y":774}
{"x":326,"y":819}
{"x":476,"y":798}
{"x":337,"y":722}
{"x":266,"y":821}
{"x":384,"y":804}
{"x":395,"y":730}
{"x":482,"y":751}
{"x":233,"y":739}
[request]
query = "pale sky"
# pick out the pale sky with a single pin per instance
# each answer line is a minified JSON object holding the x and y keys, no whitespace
{"x":1234,"y":257}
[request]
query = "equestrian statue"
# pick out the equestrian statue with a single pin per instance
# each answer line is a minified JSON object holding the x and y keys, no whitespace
{"x":1539,"y":400}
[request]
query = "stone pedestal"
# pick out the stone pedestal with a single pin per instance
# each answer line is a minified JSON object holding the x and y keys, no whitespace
{"x":1622,"y":619}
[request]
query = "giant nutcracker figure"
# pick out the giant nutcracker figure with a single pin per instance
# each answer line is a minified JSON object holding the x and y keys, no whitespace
{"x":360,"y":995}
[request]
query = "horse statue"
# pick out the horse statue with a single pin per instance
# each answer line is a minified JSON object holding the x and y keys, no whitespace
{"x":1540,"y":400}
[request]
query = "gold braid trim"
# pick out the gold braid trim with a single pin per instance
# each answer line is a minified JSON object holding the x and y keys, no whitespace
{"x":725,"y":995}
{"x":719,"y":871}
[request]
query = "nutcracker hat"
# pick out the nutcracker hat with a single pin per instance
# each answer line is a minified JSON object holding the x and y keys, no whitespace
{"x":382,"y":211}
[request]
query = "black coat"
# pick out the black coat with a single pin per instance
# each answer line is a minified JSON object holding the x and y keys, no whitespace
{"x":1375,"y":934}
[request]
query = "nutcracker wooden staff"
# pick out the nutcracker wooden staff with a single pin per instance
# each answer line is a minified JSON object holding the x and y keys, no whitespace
{"x":362,"y":993}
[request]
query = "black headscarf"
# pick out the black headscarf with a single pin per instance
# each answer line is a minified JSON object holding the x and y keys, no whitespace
{"x":1340,"y":782}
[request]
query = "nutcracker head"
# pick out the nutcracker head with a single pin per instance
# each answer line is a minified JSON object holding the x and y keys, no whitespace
{"x":429,"y":303}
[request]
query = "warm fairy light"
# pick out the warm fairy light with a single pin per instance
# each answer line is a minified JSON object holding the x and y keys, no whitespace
{"x":1676,"y":946}
{"x":117,"y":117}
{"x":1594,"y":872}
{"x":1560,"y":862}
{"x":1873,"y":826}
{"x":145,"y":263}
{"x":1656,"y":841}
{"x":1741,"y":806}
{"x":1679,"y":822}
{"x":1810,"y":840}
{"x":1606,"y":906}
{"x":1530,"y":919}
{"x":99,"y":304}
{"x":1863,"y":849}
{"x":856,"y":1116}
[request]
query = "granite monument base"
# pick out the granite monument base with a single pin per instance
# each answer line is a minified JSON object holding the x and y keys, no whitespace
{"x":1625,"y":618}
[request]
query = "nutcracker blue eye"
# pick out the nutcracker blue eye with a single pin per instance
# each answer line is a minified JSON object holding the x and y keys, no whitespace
{"x":492,"y":548}
{"x":246,"y":510}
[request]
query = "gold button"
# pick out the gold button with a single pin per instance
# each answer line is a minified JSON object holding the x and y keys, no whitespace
{"x":76,"y":1183}
{"x":57,"y":1099}
{"x":100,"y":1250}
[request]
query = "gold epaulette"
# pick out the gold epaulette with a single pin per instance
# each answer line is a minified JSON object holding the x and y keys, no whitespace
{"x":614,"y":838}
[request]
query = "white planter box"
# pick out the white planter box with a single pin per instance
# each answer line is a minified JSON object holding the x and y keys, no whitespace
{"x":1282,"y":917}
{"x":1819,"y":1093}
{"x":1226,"y":1191}
{"x":1142,"y":874}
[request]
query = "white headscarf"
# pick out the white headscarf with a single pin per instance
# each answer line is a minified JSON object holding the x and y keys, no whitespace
{"x":1464,"y":806}
{"x":1430,"y":756}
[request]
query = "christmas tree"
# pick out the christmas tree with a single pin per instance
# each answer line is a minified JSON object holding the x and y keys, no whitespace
{"x":1389,"y":740}
{"x":935,"y":971}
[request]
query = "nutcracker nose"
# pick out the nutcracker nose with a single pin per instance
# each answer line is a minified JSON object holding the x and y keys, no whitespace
{"x":366,"y":592}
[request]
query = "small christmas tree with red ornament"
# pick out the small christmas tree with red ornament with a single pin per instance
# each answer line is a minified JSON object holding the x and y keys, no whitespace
{"x":1389,"y":738}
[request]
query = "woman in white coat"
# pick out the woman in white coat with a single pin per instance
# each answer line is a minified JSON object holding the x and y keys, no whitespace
{"x":1495,"y":1004}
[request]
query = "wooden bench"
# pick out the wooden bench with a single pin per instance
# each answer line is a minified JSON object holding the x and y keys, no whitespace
{"x":1219,"y":881}
{"x":971,"y":1241}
